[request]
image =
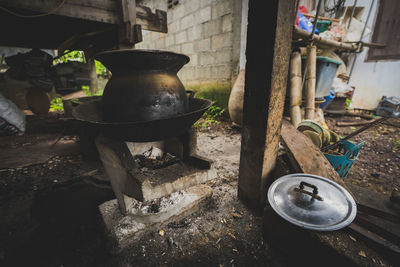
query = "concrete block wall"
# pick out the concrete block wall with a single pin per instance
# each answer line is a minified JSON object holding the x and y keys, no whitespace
{"x":208,"y":31}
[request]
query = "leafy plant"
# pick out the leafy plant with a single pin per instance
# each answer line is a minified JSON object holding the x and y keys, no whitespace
{"x":86,"y":89}
{"x":210,"y":116}
{"x":70,"y":56}
{"x":214,"y":111}
{"x":80,"y":56}
{"x":347,"y":103}
{"x":100,"y":68}
{"x":56,"y":104}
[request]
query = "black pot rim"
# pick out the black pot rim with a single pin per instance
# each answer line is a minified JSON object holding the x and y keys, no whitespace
{"x":142,"y":60}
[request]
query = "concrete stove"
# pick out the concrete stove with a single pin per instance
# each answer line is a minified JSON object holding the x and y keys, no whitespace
{"x":155,"y":183}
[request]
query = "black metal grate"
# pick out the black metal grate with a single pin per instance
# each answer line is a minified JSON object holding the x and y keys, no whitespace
{"x":172,"y":3}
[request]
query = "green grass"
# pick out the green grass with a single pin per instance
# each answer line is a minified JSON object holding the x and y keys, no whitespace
{"x":216,"y":92}
{"x":219,"y":94}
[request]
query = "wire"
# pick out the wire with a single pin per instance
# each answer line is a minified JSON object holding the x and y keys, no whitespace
{"x":34,"y":16}
{"x":337,"y":4}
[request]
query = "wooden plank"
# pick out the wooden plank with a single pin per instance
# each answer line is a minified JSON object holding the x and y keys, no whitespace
{"x":106,"y":11}
{"x":307,"y":157}
{"x":151,"y":21}
{"x":36,"y":154}
{"x":265,"y":87}
{"x":387,"y":31}
{"x":374,"y":199}
{"x":74,"y":9}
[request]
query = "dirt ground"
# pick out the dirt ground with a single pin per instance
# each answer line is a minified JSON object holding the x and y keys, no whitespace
{"x":49,"y":213}
{"x":378,"y":165}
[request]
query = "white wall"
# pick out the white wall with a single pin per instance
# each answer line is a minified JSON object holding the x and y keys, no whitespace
{"x":373,"y":79}
{"x":243,"y":34}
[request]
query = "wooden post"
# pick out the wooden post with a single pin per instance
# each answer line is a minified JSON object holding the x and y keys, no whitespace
{"x":295,"y":88}
{"x":309,"y":108}
{"x":268,"y":54}
{"x":130,"y":33}
{"x":93,"y":75}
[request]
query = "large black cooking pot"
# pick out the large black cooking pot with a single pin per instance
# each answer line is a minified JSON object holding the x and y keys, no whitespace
{"x":144,"y":85}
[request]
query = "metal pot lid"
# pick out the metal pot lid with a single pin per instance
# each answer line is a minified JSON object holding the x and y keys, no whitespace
{"x":312,"y":202}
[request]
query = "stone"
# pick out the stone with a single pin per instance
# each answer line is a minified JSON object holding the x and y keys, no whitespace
{"x":187,"y":73}
{"x":160,"y":43}
{"x":227,"y":23}
{"x":223,"y":56}
{"x":203,"y":15}
{"x":170,"y":40}
{"x":187,"y":22}
{"x":206,"y":58}
{"x":187,"y":48}
{"x":212,"y":27}
{"x":125,"y":230}
{"x":203,"y":72}
{"x":174,"y":48}
{"x":222,"y":8}
{"x":204,"y":3}
{"x":221,"y":40}
{"x":178,"y":12}
{"x":202,"y":45}
{"x":221,"y":72}
{"x":194,"y":33}
{"x":193,"y":60}
{"x":174,"y":27}
{"x":191,"y":6}
{"x":181,"y":37}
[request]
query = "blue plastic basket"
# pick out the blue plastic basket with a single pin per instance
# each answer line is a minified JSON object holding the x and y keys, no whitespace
{"x":342,"y":163}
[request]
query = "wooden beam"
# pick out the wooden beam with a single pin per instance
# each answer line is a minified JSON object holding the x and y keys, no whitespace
{"x":126,"y":32}
{"x":268,"y":54}
{"x":306,"y":157}
{"x":106,"y":11}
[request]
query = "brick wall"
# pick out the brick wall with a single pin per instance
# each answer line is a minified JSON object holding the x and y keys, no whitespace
{"x":208,"y":31}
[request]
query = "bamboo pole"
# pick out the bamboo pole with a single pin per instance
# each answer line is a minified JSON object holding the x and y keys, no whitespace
{"x":320,"y":41}
{"x":310,"y":82}
{"x":321,"y":18}
{"x":295,"y":88}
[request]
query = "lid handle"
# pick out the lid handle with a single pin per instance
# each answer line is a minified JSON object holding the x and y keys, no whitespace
{"x":313,"y":194}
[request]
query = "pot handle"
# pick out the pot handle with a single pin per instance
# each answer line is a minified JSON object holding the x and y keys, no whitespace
{"x":191,"y":94}
{"x":313,"y":194}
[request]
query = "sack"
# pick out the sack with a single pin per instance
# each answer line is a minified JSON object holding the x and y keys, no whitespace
{"x":305,"y":24}
{"x":12,"y":119}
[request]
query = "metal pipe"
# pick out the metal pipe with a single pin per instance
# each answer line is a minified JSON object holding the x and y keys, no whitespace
{"x":316,"y":18}
{"x":361,"y":37}
{"x":352,"y":13}
{"x":296,"y":10}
